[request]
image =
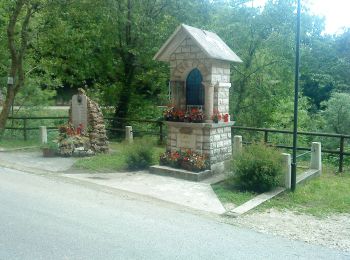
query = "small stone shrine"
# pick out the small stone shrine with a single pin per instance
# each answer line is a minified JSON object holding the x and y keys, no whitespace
{"x":200,"y":80}
{"x":86,"y":114}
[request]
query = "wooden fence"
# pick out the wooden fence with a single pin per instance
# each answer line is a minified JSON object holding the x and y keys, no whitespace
{"x":341,"y":153}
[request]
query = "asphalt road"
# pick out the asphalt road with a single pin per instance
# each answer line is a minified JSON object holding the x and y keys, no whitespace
{"x":50,"y":218}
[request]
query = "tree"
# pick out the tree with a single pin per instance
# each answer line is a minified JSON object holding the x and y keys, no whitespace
{"x":18,"y":38}
{"x":337,"y":114}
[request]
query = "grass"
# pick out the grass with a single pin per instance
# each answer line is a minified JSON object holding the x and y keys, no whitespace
{"x":228,"y":193}
{"x":114,"y":161}
{"x":322,"y":196}
{"x":17,"y":143}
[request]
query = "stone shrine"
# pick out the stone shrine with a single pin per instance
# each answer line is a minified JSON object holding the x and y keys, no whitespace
{"x":200,"y":79}
{"x":86,"y":114}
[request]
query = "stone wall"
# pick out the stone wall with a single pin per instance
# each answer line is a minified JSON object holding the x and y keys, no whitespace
{"x":187,"y":57}
{"x":213,"y":140}
{"x":221,"y":98}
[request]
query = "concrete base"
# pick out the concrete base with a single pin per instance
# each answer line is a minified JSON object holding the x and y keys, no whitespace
{"x":180,"y":173}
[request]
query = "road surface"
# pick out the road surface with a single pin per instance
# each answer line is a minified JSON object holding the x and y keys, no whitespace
{"x":45,"y":217}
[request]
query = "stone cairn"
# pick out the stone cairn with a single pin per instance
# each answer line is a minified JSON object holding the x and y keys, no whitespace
{"x":96,"y":130}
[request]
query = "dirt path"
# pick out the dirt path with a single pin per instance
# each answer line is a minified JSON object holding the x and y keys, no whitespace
{"x":332,"y":231}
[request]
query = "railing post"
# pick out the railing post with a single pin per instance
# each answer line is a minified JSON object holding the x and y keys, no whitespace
{"x":43,"y":134}
{"x":266,"y":136}
{"x":128,"y":134}
{"x":237,"y":145}
{"x":25,"y":129}
{"x":161,"y":132}
{"x":287,"y":169}
{"x":341,"y":154}
{"x":316,"y":160}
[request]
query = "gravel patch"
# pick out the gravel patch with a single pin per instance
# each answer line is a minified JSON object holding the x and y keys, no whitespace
{"x":332,"y":231}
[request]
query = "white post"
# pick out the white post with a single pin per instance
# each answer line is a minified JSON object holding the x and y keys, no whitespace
{"x":43,"y":134}
{"x":128,"y":134}
{"x":237,"y":144}
{"x":316,"y":159}
{"x":287,"y":169}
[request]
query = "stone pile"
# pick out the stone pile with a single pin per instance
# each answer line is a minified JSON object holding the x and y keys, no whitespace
{"x":97,"y":130}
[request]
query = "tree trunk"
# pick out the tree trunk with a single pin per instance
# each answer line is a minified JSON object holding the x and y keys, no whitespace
{"x":128,"y":59}
{"x":17,"y":56}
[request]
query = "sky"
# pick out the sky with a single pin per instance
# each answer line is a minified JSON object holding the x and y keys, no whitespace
{"x":336,"y":12}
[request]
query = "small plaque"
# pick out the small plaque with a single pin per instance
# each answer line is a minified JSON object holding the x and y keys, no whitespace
{"x":185,"y":130}
{"x":10,"y":80}
{"x":186,"y":141}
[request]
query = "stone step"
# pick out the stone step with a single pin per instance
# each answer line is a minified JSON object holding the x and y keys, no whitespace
{"x":180,"y":173}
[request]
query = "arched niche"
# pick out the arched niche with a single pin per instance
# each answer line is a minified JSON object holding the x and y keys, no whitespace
{"x":194,"y":89}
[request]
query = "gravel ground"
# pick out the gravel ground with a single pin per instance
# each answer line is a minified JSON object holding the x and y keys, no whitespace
{"x":332,"y":231}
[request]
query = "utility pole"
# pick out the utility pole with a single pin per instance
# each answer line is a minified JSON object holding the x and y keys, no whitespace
{"x":296,"y":96}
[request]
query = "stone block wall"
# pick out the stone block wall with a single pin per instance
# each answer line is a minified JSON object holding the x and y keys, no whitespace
{"x":187,"y":57}
{"x":213,"y":140}
{"x":220,"y":145}
{"x":221,"y":98}
{"x":220,"y":71}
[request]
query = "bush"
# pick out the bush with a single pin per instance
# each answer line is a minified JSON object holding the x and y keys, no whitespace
{"x":140,"y":154}
{"x":258,"y":168}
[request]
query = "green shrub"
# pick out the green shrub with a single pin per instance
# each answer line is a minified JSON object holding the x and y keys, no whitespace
{"x":258,"y":168}
{"x":140,"y":154}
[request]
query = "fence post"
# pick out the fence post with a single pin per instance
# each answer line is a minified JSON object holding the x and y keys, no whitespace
{"x":43,"y":134}
{"x":237,"y":145}
{"x":128,"y":134}
{"x":266,"y":136}
{"x":287,"y":169}
{"x":316,"y":160}
{"x":161,"y":132}
{"x":341,"y":154}
{"x":25,"y":129}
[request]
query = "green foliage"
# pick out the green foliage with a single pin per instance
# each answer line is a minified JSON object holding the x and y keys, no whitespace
{"x":258,"y":168}
{"x":116,"y":160}
{"x":140,"y":154}
{"x":229,"y":193}
{"x":16,"y":143}
{"x":337,"y":114}
{"x":107,"y":47}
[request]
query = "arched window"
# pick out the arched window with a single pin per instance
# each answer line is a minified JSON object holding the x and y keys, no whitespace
{"x":194,"y":89}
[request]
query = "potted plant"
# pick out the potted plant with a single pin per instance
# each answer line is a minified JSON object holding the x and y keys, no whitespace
{"x":196,"y":115}
{"x":216,"y":117}
{"x":49,"y":149}
{"x":226,"y":118}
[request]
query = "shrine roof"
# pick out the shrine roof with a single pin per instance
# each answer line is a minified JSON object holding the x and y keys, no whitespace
{"x":210,"y":43}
